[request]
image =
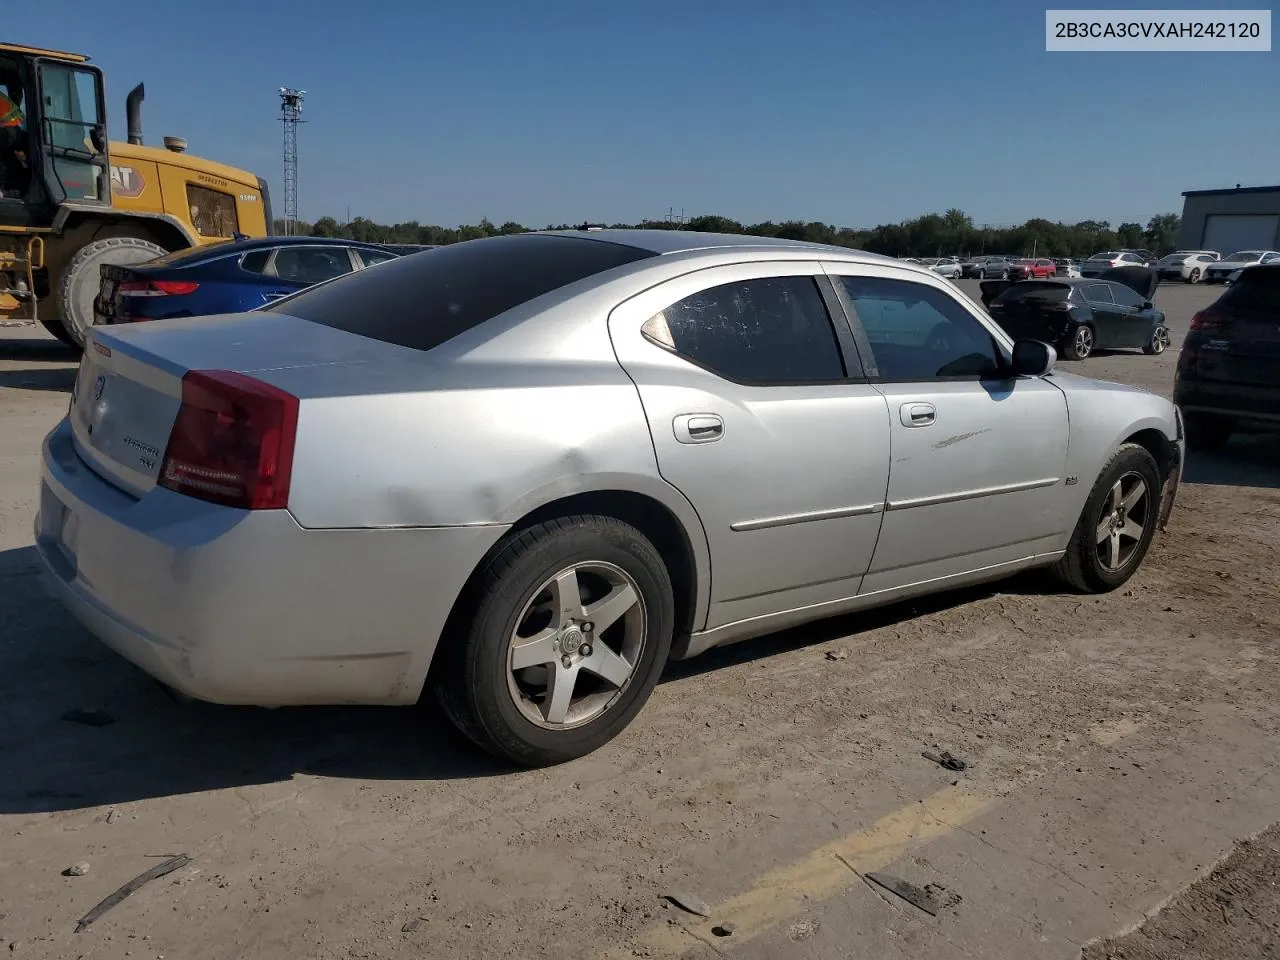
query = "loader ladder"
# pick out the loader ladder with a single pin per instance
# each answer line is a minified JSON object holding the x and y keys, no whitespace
{"x":17,"y":284}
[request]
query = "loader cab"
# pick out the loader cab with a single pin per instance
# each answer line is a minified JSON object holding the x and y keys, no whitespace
{"x":57,"y":154}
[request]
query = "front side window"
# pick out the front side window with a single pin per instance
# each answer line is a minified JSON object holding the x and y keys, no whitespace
{"x":213,"y":213}
{"x":1126,"y":297}
{"x":767,"y":331}
{"x":311,"y":264}
{"x":920,"y":333}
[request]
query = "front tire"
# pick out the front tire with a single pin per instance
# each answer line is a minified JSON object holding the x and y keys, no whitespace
{"x":82,"y":278}
{"x":982,"y":274}
{"x":1117,"y":525}
{"x":572,"y":627}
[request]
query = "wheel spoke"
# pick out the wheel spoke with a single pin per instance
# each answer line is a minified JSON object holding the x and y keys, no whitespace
{"x":1137,"y":493}
{"x":1104,"y":528}
{"x":605,"y":612}
{"x":1131,"y":530}
{"x":535,"y":651}
{"x":1113,"y":550}
{"x":560,"y":683}
{"x":1117,"y":497}
{"x":567,"y":598}
{"x":604,"y":663}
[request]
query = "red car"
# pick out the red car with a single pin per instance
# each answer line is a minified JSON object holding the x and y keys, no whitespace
{"x":1032,"y":269}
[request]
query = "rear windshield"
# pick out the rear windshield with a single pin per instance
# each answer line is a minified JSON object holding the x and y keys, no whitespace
{"x":421,"y":301}
{"x":186,"y":256}
{"x":1257,"y":289}
{"x":1030,"y":290}
{"x":1103,"y":256}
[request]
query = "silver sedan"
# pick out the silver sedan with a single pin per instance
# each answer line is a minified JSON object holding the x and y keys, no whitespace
{"x":523,"y":473}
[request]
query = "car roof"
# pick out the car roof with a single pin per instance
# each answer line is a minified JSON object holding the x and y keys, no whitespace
{"x":294,"y":241}
{"x":687,"y":241}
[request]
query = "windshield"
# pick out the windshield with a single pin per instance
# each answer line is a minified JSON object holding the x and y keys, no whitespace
{"x":1246,"y":255}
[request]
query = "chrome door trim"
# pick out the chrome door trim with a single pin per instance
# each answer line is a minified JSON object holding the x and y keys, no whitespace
{"x":835,"y":513}
{"x":972,"y":494}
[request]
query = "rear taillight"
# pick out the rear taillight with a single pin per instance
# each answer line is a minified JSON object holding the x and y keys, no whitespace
{"x":232,"y":441}
{"x":157,"y":288}
{"x":1206,"y":322}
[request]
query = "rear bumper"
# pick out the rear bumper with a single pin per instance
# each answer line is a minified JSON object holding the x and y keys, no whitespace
{"x":247,"y":607}
{"x":1251,"y":403}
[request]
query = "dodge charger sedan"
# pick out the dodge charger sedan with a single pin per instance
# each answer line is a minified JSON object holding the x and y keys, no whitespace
{"x":522,"y":473}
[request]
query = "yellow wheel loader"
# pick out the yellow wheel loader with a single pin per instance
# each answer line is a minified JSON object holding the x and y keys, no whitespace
{"x":71,"y":202}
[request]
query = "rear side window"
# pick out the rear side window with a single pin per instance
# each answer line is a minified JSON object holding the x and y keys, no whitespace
{"x":1098,"y":293}
{"x":422,"y":301}
{"x":311,"y":264}
{"x":255,"y":261}
{"x":370,"y":257}
{"x":774,"y":330}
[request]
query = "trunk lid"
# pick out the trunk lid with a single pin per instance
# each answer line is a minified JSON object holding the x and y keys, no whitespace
{"x":129,"y":386}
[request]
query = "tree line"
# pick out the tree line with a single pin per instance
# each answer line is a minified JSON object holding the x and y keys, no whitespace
{"x":933,"y":235}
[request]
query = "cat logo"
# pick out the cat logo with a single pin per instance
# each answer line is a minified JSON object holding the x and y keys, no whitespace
{"x":126,"y":182}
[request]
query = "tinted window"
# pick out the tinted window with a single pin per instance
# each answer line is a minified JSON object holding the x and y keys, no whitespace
{"x":1131,"y":258}
{"x":311,"y":264}
{"x":1125,"y":296}
{"x":370,"y":257}
{"x":1255,"y":290}
{"x":1040,"y":292}
{"x":422,"y":301}
{"x":186,"y":257}
{"x":920,"y":333}
{"x":1098,"y":293}
{"x":773,"y":330}
{"x":255,"y":261}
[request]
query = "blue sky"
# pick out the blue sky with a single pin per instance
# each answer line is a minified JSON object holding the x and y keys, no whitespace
{"x":853,"y":113}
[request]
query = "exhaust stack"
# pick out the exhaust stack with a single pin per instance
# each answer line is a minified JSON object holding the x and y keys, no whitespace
{"x":133,"y":113}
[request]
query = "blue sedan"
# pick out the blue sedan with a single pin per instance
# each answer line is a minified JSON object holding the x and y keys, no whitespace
{"x":227,"y":277}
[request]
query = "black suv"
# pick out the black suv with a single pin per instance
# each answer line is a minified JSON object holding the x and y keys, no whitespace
{"x":1229,"y":369}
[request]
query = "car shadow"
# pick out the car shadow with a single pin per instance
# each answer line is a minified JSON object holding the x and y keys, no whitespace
{"x":51,"y":379}
{"x":37,"y":348}
{"x":1248,"y":460}
{"x":57,"y":683}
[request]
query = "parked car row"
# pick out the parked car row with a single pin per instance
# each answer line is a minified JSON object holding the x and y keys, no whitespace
{"x":317,"y":455}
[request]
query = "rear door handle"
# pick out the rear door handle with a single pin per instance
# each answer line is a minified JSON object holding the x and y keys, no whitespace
{"x":918,"y":414}
{"x":698,"y":427}
{"x":276,"y":295}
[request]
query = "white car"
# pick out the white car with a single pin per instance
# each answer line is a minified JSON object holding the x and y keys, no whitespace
{"x":948,"y":267}
{"x":1101,"y":262}
{"x":1188,"y":266}
{"x":1221,"y":271}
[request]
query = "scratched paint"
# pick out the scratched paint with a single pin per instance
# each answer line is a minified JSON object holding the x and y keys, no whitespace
{"x":960,"y":438}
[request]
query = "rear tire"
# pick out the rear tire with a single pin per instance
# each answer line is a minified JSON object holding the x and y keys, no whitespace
{"x":1194,"y":275}
{"x":81,"y":280}
{"x":1124,"y":505}
{"x":1158,"y":343}
{"x":1206,"y":432}
{"x":1080,"y":344}
{"x":982,"y":274}
{"x":512,"y":711}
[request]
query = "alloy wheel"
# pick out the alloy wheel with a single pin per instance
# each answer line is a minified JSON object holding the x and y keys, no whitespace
{"x":1160,"y":340}
{"x":1083,"y":342}
{"x":1125,"y":515}
{"x":576,"y":645}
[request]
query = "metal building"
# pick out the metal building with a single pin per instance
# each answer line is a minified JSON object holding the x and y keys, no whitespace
{"x":1241,"y":218}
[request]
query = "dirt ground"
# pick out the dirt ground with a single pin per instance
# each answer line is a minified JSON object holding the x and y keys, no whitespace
{"x":1119,"y":746}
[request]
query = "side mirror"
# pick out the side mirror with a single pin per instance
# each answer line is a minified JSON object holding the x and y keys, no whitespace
{"x":98,"y":138}
{"x":1031,"y":358}
{"x":1147,"y":304}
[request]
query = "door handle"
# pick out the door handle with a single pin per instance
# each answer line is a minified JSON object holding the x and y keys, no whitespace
{"x":698,"y":427}
{"x":918,"y":414}
{"x":276,"y":295}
